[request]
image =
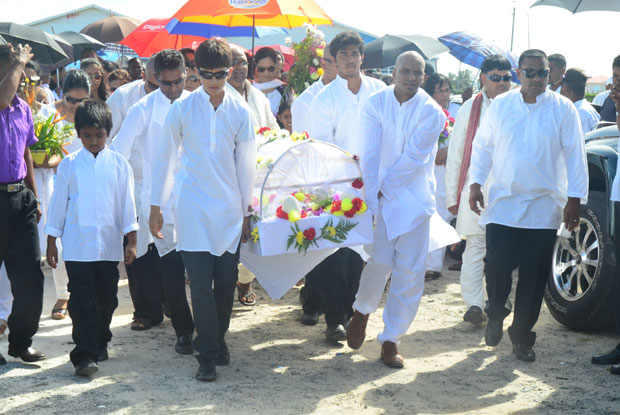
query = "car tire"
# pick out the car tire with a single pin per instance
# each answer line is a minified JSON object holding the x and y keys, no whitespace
{"x":584,"y":301}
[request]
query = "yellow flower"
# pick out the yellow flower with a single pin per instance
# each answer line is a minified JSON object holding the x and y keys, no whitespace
{"x":293,"y":216}
{"x":363,"y":208}
{"x":331,"y":230}
{"x":255,"y":236}
{"x":338,"y":213}
{"x":300,"y":196}
{"x":319,"y":52}
{"x":300,"y":238}
{"x":320,"y":71}
{"x":314,"y":76}
{"x":346,"y":205}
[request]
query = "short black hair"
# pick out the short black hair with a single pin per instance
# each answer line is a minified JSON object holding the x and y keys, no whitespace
{"x":495,"y":62}
{"x":187,"y":50}
{"x":344,"y":39}
{"x":435,"y":80}
{"x":93,"y":113}
{"x":76,"y":79}
{"x":134,"y":60}
{"x":266,"y":52}
{"x":213,"y":53}
{"x":576,"y":80}
{"x":558,"y":58}
{"x":285,"y":104}
{"x":534,"y":54}
{"x":109,"y":66}
{"x":168,"y":60}
{"x":34,"y":66}
{"x":429,"y":69}
{"x":85,"y":63}
{"x":616,"y":63}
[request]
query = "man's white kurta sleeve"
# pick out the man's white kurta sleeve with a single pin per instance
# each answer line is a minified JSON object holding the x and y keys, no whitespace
{"x":321,"y":125}
{"x":245,"y":161}
{"x":57,"y":208}
{"x":418,"y":151}
{"x":115,"y":102}
{"x":132,"y":128}
{"x":482,"y":149}
{"x":575,"y":155}
{"x":130,"y":222}
{"x":167,"y":156}
{"x":455,"y":155}
{"x":371,"y":129}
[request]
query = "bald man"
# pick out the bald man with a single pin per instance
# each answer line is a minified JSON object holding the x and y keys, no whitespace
{"x":400,"y":126}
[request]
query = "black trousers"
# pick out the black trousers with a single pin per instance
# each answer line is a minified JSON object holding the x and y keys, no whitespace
{"x":617,"y":280}
{"x":173,"y":274}
{"x":530,"y":250}
{"x":145,"y":286}
{"x":212,"y":282}
{"x":331,"y":286}
{"x":20,"y":252}
{"x":93,"y":288}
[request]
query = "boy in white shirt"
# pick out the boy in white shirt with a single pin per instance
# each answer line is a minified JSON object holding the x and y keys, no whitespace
{"x":91,"y":208}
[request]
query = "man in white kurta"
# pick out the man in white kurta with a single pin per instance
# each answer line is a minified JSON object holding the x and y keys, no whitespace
{"x":574,"y":88}
{"x":401,"y":125}
{"x":529,"y":145}
{"x":208,"y":140}
{"x":495,"y":77}
{"x":143,"y":125}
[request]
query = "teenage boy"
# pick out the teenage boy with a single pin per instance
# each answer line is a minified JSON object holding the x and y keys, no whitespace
{"x":208,"y":138}
{"x":91,"y":208}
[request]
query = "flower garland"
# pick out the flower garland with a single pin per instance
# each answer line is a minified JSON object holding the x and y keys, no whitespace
{"x":308,"y":54}
{"x":302,"y":240}
{"x":447,"y":129}
{"x":300,"y":205}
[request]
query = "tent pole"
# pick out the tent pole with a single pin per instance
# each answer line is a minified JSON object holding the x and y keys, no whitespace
{"x":253,"y":33}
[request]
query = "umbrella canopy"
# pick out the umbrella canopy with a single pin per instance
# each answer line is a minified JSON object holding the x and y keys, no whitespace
{"x":2,"y":41}
{"x":382,"y":52}
{"x":577,"y":6}
{"x":205,"y":30}
{"x":44,"y":48}
{"x":111,"y":29}
{"x":80,"y":42}
{"x":151,"y":37}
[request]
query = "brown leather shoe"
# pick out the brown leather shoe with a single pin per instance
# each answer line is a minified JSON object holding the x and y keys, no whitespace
{"x":390,"y":355}
{"x":356,"y":331}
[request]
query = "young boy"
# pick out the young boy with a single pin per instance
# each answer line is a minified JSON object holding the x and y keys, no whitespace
{"x":209,"y":137}
{"x":91,"y":208}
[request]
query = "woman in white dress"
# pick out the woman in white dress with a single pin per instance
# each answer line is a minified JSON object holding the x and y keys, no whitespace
{"x":76,"y":88}
{"x":266,"y":78}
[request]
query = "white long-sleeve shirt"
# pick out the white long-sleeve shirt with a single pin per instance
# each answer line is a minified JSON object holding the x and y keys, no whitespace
{"x":335,"y":110}
{"x":142,"y":127}
{"x":213,"y":185}
{"x":92,"y":206}
{"x":302,"y":107}
{"x":260,"y":108}
{"x":535,"y":156}
{"x":401,"y":143}
{"x":587,"y":114}
{"x":467,"y":220}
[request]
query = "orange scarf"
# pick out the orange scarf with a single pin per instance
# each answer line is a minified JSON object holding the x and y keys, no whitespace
{"x":472,"y":127}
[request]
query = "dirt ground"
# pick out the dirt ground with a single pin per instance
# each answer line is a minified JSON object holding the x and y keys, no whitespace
{"x":279,"y":366}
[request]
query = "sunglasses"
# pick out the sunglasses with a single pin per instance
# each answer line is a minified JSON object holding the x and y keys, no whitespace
{"x":210,"y":75}
{"x":72,"y":100}
{"x":96,"y":76}
{"x":239,"y":63}
{"x":500,"y":78}
{"x":152,"y":85}
{"x":192,"y":78}
{"x":533,"y":73}
{"x":262,"y":69}
{"x":170,"y":83}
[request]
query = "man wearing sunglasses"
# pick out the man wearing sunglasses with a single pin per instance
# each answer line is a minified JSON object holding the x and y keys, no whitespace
{"x":142,"y":126}
{"x":529,"y":146}
{"x":495,"y":77}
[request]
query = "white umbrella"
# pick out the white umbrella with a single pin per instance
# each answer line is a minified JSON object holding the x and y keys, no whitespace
{"x":576,"y":6}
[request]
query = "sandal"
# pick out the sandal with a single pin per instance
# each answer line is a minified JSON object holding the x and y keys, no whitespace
{"x":247,"y":299}
{"x":431,"y":275}
{"x":455,"y":267}
{"x":59,"y":313}
{"x":141,"y":324}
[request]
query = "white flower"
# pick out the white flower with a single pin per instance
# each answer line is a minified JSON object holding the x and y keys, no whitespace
{"x":288,"y":40}
{"x":315,"y":61}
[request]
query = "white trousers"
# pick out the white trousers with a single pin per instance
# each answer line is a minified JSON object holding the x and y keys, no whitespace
{"x":472,"y":271}
{"x":45,"y":186}
{"x":6,"y":298}
{"x":405,"y":258}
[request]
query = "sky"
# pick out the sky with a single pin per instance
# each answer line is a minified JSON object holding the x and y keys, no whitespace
{"x":586,"y":39}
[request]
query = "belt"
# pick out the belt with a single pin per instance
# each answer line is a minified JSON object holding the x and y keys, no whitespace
{"x":12,"y":187}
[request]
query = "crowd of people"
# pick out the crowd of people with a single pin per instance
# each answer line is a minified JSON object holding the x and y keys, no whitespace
{"x":160,"y":170}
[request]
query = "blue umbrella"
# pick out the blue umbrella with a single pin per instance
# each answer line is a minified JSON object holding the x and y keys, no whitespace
{"x":472,"y":50}
{"x":175,"y":27}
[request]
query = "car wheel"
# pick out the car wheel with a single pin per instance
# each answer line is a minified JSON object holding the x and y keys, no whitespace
{"x":579,"y":291}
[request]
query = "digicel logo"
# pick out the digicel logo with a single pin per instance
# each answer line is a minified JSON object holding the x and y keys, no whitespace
{"x":153,"y":27}
{"x":247,"y":4}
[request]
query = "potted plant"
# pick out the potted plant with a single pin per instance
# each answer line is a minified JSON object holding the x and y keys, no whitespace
{"x":51,"y":137}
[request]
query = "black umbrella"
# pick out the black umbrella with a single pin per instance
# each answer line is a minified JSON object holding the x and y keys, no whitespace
{"x":577,"y":6}
{"x":382,"y":52}
{"x":44,"y":48}
{"x":80,"y":42}
{"x":2,"y":41}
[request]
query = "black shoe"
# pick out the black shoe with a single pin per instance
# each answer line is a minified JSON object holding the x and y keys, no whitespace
{"x":223,"y":355}
{"x":206,"y":371}
{"x":612,"y":357}
{"x":2,"y":360}
{"x":474,"y":315}
{"x":27,"y":355}
{"x":309,"y":319}
{"x":86,"y":367}
{"x":493,"y":334}
{"x":103,"y":354}
{"x":184,"y":345}
{"x":524,"y":353}
{"x":336,"y":333}
{"x":615,"y":370}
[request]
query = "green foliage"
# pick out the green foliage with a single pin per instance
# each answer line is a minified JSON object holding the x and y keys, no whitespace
{"x":308,"y":55}
{"x":51,"y":136}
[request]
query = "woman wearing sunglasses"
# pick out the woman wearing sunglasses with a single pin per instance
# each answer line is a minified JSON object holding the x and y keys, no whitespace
{"x":265,"y":78}
{"x":75,"y":88}
{"x":99,"y":85}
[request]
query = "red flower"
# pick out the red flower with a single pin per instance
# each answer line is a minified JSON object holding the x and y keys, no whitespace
{"x":358,"y":183}
{"x":281,"y":214}
{"x":350,"y":213}
{"x":303,"y":214}
{"x":336,"y":206}
{"x":264,"y":130}
{"x":356,"y":157}
{"x":310,"y":234}
{"x":307,"y":135}
{"x":357,"y":204}
{"x":445,"y":111}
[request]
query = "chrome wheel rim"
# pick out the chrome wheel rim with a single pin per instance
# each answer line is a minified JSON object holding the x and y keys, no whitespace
{"x":576,"y":261}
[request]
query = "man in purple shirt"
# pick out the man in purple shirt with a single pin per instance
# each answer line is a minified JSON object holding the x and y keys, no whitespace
{"x":19,"y":210}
